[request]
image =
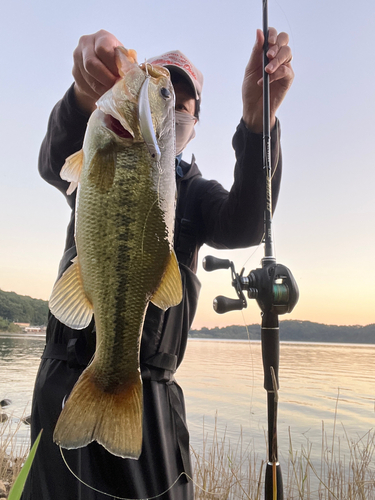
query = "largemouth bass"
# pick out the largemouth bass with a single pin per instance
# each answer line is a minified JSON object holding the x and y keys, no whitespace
{"x":124,"y":236}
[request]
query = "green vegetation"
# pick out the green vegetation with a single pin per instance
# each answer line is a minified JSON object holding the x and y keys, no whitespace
{"x":19,"y":484}
{"x":21,"y":309}
{"x":294,"y":331}
{"x":13,"y":449}
{"x":8,"y":326}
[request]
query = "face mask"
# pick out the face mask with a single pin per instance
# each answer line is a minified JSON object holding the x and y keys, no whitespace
{"x":184,"y":130}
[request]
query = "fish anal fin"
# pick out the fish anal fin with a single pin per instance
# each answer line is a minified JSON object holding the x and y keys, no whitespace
{"x":102,"y":168}
{"x":125,"y":59}
{"x":69,"y":302}
{"x":71,"y":170}
{"x":112,"y":418}
{"x":169,"y":292}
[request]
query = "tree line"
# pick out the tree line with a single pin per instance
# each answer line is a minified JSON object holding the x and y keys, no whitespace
{"x":294,"y":331}
{"x":21,"y":309}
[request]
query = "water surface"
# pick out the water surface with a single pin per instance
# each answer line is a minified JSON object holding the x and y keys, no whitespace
{"x":223,"y":380}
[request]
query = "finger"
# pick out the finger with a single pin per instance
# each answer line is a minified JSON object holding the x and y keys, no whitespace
{"x":272,"y":35}
{"x":255,"y":61}
{"x":283,"y":73}
{"x":89,"y":89}
{"x":280,"y":41}
{"x":105,"y":51}
{"x":283,"y":56}
{"x":95,"y":70}
{"x":87,"y":83}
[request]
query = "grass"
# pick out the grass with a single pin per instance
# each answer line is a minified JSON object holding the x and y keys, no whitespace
{"x":223,"y":471}
{"x":346,"y":470}
{"x":13,"y":450}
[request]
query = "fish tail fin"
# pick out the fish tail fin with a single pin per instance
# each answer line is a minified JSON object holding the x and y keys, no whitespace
{"x":113,"y":419}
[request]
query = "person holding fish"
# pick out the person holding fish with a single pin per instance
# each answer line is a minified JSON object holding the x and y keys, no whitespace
{"x":127,"y":292}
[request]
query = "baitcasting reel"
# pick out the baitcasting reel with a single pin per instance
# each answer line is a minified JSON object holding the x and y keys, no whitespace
{"x":272,"y":286}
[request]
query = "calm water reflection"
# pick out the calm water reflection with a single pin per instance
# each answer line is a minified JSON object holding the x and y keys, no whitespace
{"x":226,"y":378}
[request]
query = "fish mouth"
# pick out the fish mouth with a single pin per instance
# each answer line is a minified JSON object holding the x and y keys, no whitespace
{"x":115,"y":126}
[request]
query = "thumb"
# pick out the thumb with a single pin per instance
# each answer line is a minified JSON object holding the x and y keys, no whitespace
{"x":256,"y":58}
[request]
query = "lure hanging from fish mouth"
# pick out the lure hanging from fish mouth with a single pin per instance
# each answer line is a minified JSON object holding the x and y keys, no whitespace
{"x":145,"y":121}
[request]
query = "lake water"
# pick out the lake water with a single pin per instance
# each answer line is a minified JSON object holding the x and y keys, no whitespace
{"x":223,"y":383}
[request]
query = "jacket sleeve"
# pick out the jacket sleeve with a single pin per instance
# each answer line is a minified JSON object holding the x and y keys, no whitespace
{"x":236,"y":219}
{"x":65,"y":132}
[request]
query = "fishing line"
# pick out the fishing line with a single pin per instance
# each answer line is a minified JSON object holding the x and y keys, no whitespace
{"x":145,"y":224}
{"x":276,"y":161}
{"x":126,"y":498}
{"x":288,"y":23}
{"x":251,"y":362}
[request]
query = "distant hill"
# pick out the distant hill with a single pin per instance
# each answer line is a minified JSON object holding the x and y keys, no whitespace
{"x":293,"y":330}
{"x":22,"y":309}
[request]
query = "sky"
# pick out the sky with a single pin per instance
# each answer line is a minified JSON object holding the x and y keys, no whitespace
{"x":324,"y":223}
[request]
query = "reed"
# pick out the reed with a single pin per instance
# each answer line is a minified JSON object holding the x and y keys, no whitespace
{"x":345,"y":471}
{"x":13,"y":449}
{"x":224,"y":470}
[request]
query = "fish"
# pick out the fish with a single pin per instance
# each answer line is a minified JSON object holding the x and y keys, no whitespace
{"x":125,"y":211}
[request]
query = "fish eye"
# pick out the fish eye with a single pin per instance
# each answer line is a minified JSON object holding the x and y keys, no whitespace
{"x":165,"y":93}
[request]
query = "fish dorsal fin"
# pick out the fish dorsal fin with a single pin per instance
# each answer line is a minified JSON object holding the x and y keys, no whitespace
{"x":69,"y":302}
{"x":169,"y":292}
{"x":125,"y":59}
{"x":71,"y":170}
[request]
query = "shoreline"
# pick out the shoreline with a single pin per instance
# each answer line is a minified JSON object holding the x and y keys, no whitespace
{"x":42,"y":336}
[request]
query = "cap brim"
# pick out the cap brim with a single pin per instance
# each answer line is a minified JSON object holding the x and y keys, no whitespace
{"x":186,"y":75}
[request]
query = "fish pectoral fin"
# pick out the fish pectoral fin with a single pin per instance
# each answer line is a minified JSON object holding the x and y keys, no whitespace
{"x":102,"y":168}
{"x":71,"y":170}
{"x":169,"y":292}
{"x":68,"y":302}
{"x":112,"y":418}
{"x":125,"y":59}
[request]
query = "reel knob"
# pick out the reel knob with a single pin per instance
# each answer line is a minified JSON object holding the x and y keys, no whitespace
{"x":211,"y":263}
{"x":224,"y":304}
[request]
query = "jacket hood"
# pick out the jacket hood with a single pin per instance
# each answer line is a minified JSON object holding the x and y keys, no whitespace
{"x":191,"y":170}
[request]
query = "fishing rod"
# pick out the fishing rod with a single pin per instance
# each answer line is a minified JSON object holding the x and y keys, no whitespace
{"x":274,"y":289}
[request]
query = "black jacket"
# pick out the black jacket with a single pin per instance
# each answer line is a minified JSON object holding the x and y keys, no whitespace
{"x":205,"y":213}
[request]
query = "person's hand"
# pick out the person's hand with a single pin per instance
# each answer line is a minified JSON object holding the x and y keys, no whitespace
{"x":281,"y":78}
{"x":94,"y":69}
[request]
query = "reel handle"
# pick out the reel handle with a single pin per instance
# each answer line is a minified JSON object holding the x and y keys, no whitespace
{"x":211,"y":263}
{"x":223,"y":304}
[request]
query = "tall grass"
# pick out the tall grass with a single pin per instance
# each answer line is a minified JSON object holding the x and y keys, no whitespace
{"x":345,"y":471}
{"x":13,"y":449}
{"x":226,"y":471}
{"x":223,"y":470}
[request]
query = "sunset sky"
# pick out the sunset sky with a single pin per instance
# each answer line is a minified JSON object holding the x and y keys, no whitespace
{"x":324,"y":223}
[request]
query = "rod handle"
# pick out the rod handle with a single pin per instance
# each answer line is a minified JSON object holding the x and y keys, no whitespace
{"x":269,"y":482}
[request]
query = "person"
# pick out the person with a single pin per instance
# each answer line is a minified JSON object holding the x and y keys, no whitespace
{"x":205,"y":213}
